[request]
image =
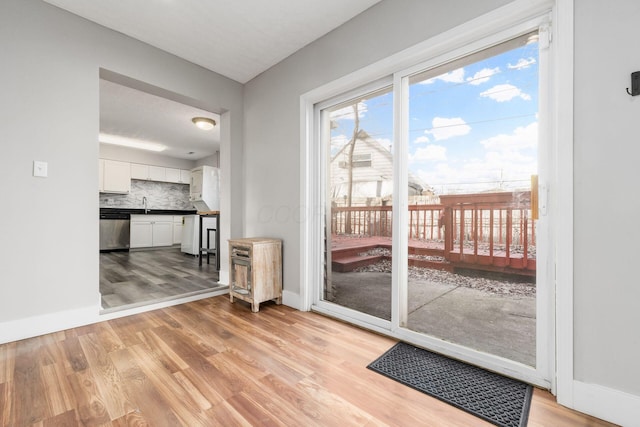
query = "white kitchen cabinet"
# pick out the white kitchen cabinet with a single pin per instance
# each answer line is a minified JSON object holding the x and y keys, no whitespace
{"x":172,"y":175}
{"x":162,"y":233}
{"x":149,"y":231}
{"x":157,"y":173}
{"x":116,"y":176}
{"x":141,"y":235}
{"x":185,"y":176}
{"x":195,"y":190}
{"x":177,"y":229}
{"x":139,"y":171}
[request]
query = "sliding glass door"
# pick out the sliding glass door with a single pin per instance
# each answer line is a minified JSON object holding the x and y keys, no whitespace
{"x":428,"y":187}
{"x":472,"y":153}
{"x":359,"y":191}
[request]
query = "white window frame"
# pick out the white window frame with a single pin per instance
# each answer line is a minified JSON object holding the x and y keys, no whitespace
{"x":518,"y":17}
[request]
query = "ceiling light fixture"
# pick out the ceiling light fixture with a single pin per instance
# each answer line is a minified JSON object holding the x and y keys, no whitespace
{"x":204,"y":123}
{"x":130,"y":142}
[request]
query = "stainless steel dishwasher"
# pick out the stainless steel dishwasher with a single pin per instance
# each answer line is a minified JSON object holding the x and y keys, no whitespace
{"x":115,"y":231}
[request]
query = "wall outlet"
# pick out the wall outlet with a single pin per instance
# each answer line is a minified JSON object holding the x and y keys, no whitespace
{"x":40,"y":169}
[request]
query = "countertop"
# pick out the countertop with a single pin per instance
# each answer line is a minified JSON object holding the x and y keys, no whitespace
{"x":149,"y":211}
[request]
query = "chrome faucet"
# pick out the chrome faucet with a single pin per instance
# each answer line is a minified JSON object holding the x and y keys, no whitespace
{"x":144,"y":203}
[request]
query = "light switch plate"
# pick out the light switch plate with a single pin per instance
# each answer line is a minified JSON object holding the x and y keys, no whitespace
{"x":40,"y":168}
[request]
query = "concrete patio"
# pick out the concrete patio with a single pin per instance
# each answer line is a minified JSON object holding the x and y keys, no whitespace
{"x":503,"y":325}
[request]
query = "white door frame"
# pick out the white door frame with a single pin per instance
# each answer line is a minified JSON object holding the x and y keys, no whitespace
{"x":516,"y":18}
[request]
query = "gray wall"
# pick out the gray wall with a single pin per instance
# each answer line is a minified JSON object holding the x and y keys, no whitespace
{"x":272,"y":106}
{"x":606,"y":170}
{"x":607,"y":298}
{"x":50,"y":69}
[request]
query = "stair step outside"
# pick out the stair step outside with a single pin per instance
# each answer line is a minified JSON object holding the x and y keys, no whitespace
{"x":346,"y":264}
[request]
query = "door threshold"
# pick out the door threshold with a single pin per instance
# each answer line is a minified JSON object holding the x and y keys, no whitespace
{"x":166,"y":301}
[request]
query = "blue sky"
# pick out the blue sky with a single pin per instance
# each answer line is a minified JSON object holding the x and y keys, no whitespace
{"x":471,"y":129}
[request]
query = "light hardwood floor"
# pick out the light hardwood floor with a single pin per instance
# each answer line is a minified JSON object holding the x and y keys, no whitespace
{"x":213,"y":363}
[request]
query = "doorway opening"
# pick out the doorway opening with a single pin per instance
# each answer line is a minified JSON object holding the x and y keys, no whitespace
{"x":149,"y":149}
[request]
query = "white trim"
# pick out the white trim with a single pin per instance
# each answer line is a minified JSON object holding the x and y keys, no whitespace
{"x":307,"y":194}
{"x":545,"y":225}
{"x":33,"y":326}
{"x":53,"y":322}
{"x":293,"y":300}
{"x":354,"y":317}
{"x":563,"y":129}
{"x":492,"y":23}
{"x":606,"y":403}
{"x":400,"y":240}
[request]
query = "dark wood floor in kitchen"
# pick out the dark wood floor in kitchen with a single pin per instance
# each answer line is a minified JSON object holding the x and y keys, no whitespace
{"x":129,"y":279}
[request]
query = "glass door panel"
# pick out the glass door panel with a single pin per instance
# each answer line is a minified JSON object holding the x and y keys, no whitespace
{"x":357,"y":135}
{"x":473,"y":138}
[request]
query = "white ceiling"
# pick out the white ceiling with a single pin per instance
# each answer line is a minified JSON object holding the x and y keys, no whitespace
{"x":130,"y":113}
{"x":236,"y":38}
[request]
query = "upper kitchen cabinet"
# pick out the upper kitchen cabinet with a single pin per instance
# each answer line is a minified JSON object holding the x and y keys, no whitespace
{"x":139,"y":171}
{"x":172,"y":175}
{"x":159,"y":173}
{"x":115,"y":176}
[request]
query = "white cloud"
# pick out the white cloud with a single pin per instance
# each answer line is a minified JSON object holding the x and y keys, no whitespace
{"x":430,"y":153}
{"x":455,"y":76}
{"x":445,"y":128}
{"x":346,"y":113}
{"x":505,"y":92}
{"x":522,"y":63}
{"x":508,"y":162}
{"x":483,"y":76}
{"x":521,"y":138}
{"x":421,"y":139}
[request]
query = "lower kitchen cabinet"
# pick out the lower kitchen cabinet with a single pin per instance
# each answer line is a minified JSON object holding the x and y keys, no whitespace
{"x":177,"y":229}
{"x":149,"y":231}
{"x":141,"y":235}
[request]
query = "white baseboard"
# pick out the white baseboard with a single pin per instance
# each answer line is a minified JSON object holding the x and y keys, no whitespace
{"x":291,"y":299}
{"x":44,"y":324}
{"x":223,"y":277}
{"x":608,"y":404}
{"x":47,"y":323}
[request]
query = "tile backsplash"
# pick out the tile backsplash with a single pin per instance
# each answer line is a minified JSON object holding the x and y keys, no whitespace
{"x":160,"y":195}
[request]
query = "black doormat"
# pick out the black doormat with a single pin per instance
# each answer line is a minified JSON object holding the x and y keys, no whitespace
{"x":499,"y":400}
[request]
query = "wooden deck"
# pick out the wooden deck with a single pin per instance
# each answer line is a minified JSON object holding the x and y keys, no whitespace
{"x":483,"y":231}
{"x":349,"y":253}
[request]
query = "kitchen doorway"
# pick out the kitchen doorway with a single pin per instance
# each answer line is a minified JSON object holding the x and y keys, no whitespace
{"x":150,"y":142}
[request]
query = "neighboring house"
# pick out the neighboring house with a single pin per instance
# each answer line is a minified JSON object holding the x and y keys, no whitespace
{"x":372,"y":174}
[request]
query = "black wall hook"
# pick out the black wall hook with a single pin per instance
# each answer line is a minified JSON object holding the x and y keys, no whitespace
{"x":635,"y":84}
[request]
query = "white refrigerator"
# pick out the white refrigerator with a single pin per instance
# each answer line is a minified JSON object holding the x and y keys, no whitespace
{"x":190,"y":239}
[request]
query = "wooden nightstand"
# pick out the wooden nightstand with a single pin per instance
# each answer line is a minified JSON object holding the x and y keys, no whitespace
{"x":256,"y":270}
